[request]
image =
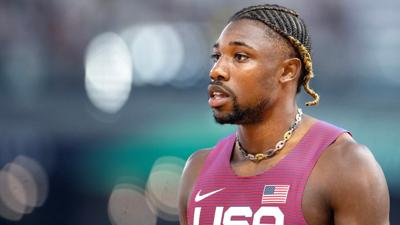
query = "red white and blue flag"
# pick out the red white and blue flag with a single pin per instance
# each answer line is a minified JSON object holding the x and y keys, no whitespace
{"x":275,"y":194}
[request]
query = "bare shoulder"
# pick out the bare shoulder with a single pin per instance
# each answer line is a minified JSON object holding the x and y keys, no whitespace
{"x":355,"y":184}
{"x":197,"y":158}
{"x":192,"y":169}
{"x":351,"y":159}
{"x":194,"y":164}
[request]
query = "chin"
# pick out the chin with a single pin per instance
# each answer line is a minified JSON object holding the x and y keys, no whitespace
{"x":238,"y":117}
{"x":225,"y":118}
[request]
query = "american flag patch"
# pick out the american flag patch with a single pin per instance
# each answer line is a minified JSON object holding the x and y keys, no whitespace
{"x":275,"y":194}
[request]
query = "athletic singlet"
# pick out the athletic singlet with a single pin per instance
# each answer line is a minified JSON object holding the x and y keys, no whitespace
{"x":274,"y":197}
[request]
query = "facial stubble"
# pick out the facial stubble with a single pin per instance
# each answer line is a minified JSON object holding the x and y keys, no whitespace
{"x":242,"y":115}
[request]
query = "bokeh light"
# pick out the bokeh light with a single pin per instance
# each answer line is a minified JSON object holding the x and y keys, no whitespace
{"x":162,"y":186}
{"x":108,"y":72}
{"x":157,"y":53}
{"x":11,"y":208}
{"x":40,"y":178}
{"x":196,"y":52}
{"x":128,"y":206}
{"x":23,"y":186}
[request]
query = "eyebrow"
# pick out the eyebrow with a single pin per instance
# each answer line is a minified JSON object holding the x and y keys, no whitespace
{"x":235,"y":43}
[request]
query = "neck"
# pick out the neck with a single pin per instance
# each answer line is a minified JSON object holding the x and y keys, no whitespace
{"x":256,"y":138}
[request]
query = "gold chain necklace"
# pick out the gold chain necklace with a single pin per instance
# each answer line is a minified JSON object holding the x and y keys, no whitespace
{"x":271,"y":152}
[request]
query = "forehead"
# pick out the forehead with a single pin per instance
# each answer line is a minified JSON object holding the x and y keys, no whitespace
{"x":251,"y":32}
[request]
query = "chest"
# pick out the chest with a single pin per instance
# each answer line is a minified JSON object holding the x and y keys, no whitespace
{"x":313,"y":204}
{"x":222,"y":197}
{"x":275,"y":196}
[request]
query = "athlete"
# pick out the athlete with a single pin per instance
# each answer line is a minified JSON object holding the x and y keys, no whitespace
{"x":281,"y":166}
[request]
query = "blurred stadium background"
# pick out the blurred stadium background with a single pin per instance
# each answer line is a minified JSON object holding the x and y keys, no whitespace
{"x":103,"y":101}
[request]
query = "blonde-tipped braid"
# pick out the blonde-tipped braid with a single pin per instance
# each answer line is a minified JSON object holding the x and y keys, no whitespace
{"x":306,"y":58}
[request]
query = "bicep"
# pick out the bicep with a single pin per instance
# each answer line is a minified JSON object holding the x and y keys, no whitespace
{"x":360,"y":195}
{"x":188,"y":178}
{"x":183,"y":194}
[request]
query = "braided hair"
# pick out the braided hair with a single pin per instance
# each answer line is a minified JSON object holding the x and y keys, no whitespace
{"x":288,"y":24}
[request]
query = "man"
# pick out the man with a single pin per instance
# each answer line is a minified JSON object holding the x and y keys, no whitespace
{"x":281,"y":167}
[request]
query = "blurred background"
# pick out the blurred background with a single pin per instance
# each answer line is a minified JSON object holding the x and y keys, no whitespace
{"x":103,"y":101}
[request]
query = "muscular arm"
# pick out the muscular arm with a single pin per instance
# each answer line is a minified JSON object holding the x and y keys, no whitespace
{"x":189,"y":177}
{"x":358,"y":193}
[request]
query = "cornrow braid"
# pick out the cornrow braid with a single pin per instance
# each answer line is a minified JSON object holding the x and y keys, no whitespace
{"x":266,"y":7}
{"x":288,"y":24}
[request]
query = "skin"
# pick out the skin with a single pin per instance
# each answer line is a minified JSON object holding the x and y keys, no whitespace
{"x":346,"y":187}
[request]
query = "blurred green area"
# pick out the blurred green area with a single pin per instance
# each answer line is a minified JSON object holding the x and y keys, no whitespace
{"x":180,"y":135}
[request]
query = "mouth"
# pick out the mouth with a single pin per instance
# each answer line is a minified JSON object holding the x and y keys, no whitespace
{"x":217,"y":96}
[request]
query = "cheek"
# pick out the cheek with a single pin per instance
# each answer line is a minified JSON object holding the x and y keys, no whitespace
{"x":268,"y":79}
{"x":268,"y":83}
{"x":248,"y":92}
{"x":263,"y":89}
{"x":254,"y":82}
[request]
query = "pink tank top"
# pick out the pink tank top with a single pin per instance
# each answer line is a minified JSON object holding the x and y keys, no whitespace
{"x":270,"y":198}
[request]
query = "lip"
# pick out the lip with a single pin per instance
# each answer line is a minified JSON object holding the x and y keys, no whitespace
{"x":217,"y":96}
{"x":212,"y":88}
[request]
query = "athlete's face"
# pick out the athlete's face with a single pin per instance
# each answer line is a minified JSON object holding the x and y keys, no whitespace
{"x":244,"y":77}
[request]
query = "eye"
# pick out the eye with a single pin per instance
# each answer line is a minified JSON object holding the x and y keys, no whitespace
{"x":215,"y":57}
{"x":240,"y":57}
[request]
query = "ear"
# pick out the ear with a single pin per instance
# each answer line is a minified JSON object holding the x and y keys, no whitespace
{"x":291,"y":70}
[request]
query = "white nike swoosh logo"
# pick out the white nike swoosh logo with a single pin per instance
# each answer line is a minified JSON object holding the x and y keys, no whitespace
{"x":201,"y":197}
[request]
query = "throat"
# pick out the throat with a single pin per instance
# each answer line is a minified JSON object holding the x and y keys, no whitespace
{"x":257,"y":156}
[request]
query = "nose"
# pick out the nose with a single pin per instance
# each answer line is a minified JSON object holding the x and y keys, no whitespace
{"x":219,"y":71}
